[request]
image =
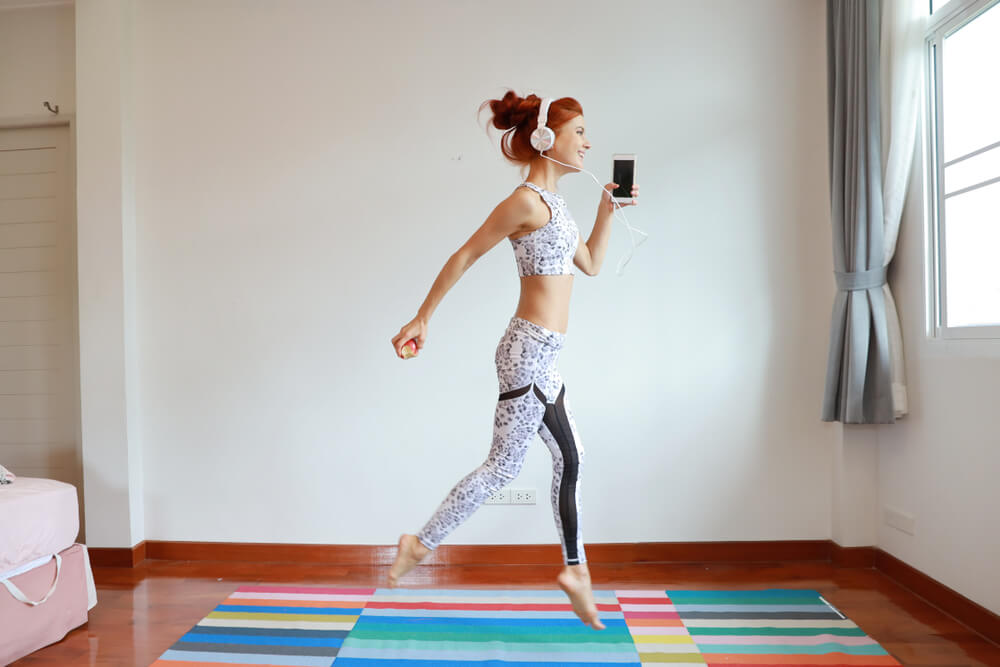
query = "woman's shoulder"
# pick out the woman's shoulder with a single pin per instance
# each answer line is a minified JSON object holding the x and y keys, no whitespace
{"x":522,"y":194}
{"x":530,"y":210}
{"x":528,"y":203}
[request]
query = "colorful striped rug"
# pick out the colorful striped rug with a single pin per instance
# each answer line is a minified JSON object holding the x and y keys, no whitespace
{"x":311,"y":627}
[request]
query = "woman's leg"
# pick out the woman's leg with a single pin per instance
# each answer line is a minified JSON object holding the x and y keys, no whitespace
{"x":558,"y":430}
{"x":515,"y":423}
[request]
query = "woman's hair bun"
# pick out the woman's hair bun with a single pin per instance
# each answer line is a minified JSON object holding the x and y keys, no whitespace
{"x":513,"y":110}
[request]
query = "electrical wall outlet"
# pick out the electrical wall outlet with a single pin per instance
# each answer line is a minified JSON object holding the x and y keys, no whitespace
{"x":522,"y":496}
{"x":899,"y":520}
{"x":501,"y":497}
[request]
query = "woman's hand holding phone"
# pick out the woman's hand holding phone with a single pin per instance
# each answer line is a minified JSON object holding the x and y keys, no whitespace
{"x":623,"y":171}
{"x":610,"y":205}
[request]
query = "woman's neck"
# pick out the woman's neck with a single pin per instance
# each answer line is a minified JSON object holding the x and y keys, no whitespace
{"x":545,"y":174}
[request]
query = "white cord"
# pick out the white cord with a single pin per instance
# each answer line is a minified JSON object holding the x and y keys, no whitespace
{"x":618,"y":210}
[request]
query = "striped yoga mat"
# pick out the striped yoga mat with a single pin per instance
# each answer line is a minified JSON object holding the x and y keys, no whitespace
{"x":309,"y":626}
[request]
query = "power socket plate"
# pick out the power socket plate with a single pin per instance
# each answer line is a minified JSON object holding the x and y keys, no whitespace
{"x":522,"y":496}
{"x":501,"y":497}
{"x":899,"y":520}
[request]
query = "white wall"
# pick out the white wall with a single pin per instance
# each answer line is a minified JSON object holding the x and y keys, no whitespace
{"x":939,"y":464}
{"x":304,"y":171}
{"x":106,"y":224}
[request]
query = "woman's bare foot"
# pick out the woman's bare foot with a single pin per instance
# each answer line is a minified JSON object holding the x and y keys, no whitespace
{"x":575,"y":582}
{"x":411,"y":551}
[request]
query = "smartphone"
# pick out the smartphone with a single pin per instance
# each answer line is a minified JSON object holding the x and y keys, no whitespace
{"x":623,"y":173}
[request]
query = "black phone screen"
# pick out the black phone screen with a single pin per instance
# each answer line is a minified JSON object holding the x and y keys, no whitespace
{"x":623,"y":174}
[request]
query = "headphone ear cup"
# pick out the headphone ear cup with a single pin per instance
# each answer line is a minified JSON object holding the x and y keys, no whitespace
{"x":543,"y":138}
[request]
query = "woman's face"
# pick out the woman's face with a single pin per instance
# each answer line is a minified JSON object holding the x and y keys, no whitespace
{"x":571,"y":142}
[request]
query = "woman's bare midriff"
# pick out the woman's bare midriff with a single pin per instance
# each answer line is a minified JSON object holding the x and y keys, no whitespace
{"x":545,"y":301}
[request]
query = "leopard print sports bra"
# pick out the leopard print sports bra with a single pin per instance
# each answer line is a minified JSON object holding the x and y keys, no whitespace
{"x":549,"y":249}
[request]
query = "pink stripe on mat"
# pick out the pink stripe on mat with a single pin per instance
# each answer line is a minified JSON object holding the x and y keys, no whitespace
{"x":651,"y":614}
{"x":787,"y":640}
{"x":306,"y":590}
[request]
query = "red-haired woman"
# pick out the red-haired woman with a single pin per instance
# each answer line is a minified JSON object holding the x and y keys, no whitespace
{"x":532,"y":395}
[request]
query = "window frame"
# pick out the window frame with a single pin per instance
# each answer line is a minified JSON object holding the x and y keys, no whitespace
{"x":948,"y":19}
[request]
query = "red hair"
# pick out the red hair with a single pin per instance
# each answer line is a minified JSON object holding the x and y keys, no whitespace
{"x":519,"y":117}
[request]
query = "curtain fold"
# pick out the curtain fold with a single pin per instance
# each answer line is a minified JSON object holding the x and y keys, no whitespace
{"x":859,"y":380}
{"x":904,"y":23}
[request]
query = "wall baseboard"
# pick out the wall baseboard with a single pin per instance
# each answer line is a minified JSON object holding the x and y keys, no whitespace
{"x":948,"y":600}
{"x":956,"y":605}
{"x":117,"y":556}
{"x":852,"y":556}
{"x":500,"y":554}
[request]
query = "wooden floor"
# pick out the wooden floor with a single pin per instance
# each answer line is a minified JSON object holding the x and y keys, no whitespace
{"x":142,"y":611}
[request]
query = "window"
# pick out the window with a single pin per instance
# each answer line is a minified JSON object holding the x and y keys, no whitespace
{"x":964,"y":62}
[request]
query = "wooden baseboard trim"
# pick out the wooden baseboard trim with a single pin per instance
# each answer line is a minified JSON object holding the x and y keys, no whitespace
{"x":505,"y":554}
{"x":863,"y":557}
{"x":950,"y":601}
{"x":117,"y":556}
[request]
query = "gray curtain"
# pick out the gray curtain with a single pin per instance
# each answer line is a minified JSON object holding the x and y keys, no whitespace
{"x":858,"y":376}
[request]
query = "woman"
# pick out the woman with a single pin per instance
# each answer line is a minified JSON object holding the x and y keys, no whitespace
{"x":532,"y":396}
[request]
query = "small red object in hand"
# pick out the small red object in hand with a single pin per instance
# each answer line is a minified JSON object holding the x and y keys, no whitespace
{"x":409,"y":349}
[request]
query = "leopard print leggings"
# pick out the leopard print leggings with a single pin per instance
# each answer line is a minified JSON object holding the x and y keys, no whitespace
{"x":532,"y":400}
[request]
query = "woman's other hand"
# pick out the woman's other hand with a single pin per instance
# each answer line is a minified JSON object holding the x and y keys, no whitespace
{"x":415,"y":329}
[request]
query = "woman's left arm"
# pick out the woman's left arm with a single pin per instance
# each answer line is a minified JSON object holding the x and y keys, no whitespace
{"x":590,"y":255}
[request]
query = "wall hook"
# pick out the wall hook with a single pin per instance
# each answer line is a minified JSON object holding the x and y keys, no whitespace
{"x":49,"y":107}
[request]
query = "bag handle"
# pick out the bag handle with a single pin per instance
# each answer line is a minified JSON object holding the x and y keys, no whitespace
{"x":18,"y":595}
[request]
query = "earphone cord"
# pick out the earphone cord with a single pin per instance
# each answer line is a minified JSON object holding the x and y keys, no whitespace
{"x":617,"y":211}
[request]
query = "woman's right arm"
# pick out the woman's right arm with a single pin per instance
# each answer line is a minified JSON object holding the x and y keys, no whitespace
{"x":507,"y":218}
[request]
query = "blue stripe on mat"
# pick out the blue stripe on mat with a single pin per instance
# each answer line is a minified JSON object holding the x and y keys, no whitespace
{"x":260,"y":640}
{"x":770,"y":593}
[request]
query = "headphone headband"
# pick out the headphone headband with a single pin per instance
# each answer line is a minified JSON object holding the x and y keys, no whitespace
{"x":543,"y":113}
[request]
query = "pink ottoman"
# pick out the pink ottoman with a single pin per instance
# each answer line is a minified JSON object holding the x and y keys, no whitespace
{"x":25,"y":628}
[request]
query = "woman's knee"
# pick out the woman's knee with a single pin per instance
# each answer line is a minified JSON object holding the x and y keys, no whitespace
{"x":499,"y":473}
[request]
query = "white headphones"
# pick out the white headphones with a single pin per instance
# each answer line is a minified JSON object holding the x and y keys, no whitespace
{"x":543,"y":138}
